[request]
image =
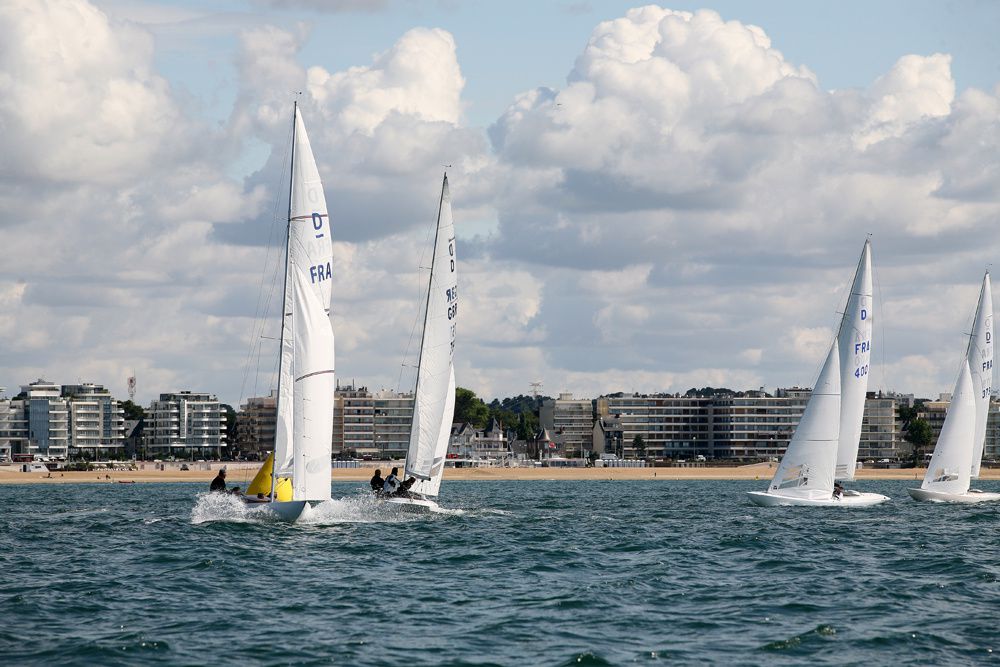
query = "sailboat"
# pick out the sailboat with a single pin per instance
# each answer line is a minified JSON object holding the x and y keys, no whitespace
{"x":960,"y":445}
{"x":434,"y":397}
{"x":298,"y":471}
{"x":824,"y":446}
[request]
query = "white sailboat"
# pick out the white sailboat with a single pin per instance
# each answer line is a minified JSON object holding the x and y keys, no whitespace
{"x":299,"y":471}
{"x":825,"y":443}
{"x":434,"y":397}
{"x":960,"y":444}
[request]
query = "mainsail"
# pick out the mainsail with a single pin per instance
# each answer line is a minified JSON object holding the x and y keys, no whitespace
{"x":855,"y":354}
{"x":980,"y":356}
{"x":434,"y":399}
{"x":807,"y":468}
{"x":950,"y":464}
{"x":306,"y":374}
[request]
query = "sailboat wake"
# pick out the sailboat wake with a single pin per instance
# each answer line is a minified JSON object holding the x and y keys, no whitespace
{"x":228,"y":508}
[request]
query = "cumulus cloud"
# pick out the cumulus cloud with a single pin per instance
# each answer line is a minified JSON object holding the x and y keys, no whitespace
{"x":687,"y":209}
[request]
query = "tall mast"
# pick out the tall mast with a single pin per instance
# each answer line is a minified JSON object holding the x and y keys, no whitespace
{"x":975,"y":318}
{"x":430,"y":286}
{"x":284,"y":290}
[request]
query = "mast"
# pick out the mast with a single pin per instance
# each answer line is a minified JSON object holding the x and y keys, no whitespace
{"x":427,"y":306}
{"x":284,"y":290}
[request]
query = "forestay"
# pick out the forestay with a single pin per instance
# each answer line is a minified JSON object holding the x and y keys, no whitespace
{"x":806,"y":469}
{"x":306,"y":376}
{"x":434,"y":400}
{"x":980,"y":355}
{"x":950,"y":464}
{"x":855,"y":355}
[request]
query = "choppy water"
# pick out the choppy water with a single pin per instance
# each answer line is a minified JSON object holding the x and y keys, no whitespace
{"x":529,"y":573}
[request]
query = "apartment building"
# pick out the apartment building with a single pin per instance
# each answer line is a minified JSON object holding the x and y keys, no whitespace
{"x":61,"y":421}
{"x":256,"y":424}
{"x":370,"y":424}
{"x":571,"y":423}
{"x":670,"y":426}
{"x":185,"y":424}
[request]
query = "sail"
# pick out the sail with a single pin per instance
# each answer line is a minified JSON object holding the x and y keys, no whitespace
{"x":855,"y":354}
{"x":980,"y":356}
{"x":434,"y":398}
{"x":261,"y":483}
{"x":951,"y":462}
{"x":304,"y":430}
{"x":807,"y":468}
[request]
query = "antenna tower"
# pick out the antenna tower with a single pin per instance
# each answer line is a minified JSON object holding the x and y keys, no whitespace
{"x":535,"y":386}
{"x":131,"y":387}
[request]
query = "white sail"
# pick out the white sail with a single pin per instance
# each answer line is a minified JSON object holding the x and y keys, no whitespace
{"x":304,"y":429}
{"x":980,"y":357}
{"x":855,"y":354}
{"x":434,"y":399}
{"x":807,"y":468}
{"x":951,"y":462}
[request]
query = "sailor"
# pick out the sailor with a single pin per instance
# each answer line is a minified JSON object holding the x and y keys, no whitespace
{"x":391,"y":482}
{"x":219,"y":483}
{"x":404,"y":488}
{"x":838,"y":491}
{"x":377,"y":482}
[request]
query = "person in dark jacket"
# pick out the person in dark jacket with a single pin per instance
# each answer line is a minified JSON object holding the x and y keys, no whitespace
{"x":377,"y":482}
{"x":219,"y":483}
{"x":391,"y":482}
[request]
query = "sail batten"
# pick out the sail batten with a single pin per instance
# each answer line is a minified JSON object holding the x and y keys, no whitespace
{"x":434,"y":396}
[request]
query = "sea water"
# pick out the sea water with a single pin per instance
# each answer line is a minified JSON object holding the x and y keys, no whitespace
{"x":517,"y":573}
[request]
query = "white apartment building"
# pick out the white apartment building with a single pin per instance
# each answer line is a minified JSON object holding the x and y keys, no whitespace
{"x":59,"y":421}
{"x":371,"y":425}
{"x":185,"y":424}
{"x":571,"y":423}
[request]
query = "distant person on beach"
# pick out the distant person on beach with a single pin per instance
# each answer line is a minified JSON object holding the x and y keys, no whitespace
{"x":404,"y":489}
{"x":391,"y":482}
{"x":377,"y":482}
{"x":219,"y":483}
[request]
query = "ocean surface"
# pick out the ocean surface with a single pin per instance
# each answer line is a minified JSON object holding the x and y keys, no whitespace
{"x":519,"y":573}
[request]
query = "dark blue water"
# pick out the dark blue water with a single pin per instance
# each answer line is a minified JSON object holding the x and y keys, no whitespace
{"x":531,"y":573}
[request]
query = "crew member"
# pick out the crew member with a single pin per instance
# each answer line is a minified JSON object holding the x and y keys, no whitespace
{"x":219,"y":483}
{"x":391,"y":483}
{"x":377,"y":482}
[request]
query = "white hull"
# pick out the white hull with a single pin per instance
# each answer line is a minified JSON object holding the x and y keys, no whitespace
{"x":849,"y":499}
{"x":415,"y":503}
{"x":290,"y":511}
{"x":969,"y":497}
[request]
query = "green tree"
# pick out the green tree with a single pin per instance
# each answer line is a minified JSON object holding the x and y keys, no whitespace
{"x":133,"y":411}
{"x":470,"y":408}
{"x":919,"y":434}
{"x":639,"y":445}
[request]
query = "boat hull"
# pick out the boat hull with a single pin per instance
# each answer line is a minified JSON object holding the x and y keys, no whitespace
{"x":968,"y":498}
{"x":419,"y":504}
{"x":290,"y":511}
{"x":849,"y":499}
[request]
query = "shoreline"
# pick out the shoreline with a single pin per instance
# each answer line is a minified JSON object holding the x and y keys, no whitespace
{"x":241,"y":476}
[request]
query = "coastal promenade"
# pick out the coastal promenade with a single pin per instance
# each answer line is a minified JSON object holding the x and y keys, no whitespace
{"x":240,"y":476}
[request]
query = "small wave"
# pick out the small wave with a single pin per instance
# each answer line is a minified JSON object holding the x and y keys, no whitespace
{"x":587,"y":658}
{"x":819,"y":632}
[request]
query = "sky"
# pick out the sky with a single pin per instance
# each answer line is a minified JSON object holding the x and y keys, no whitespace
{"x":647,"y":198}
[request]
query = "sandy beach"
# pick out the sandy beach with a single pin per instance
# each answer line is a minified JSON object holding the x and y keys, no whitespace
{"x":241,"y":475}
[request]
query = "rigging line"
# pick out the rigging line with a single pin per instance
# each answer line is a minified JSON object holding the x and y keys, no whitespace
{"x":420,"y":293}
{"x":260,"y":309}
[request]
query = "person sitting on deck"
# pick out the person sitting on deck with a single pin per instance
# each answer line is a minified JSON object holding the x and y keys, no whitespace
{"x":838,"y":491}
{"x":391,"y":483}
{"x":219,"y":483}
{"x":377,"y":482}
{"x":404,"y":489}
